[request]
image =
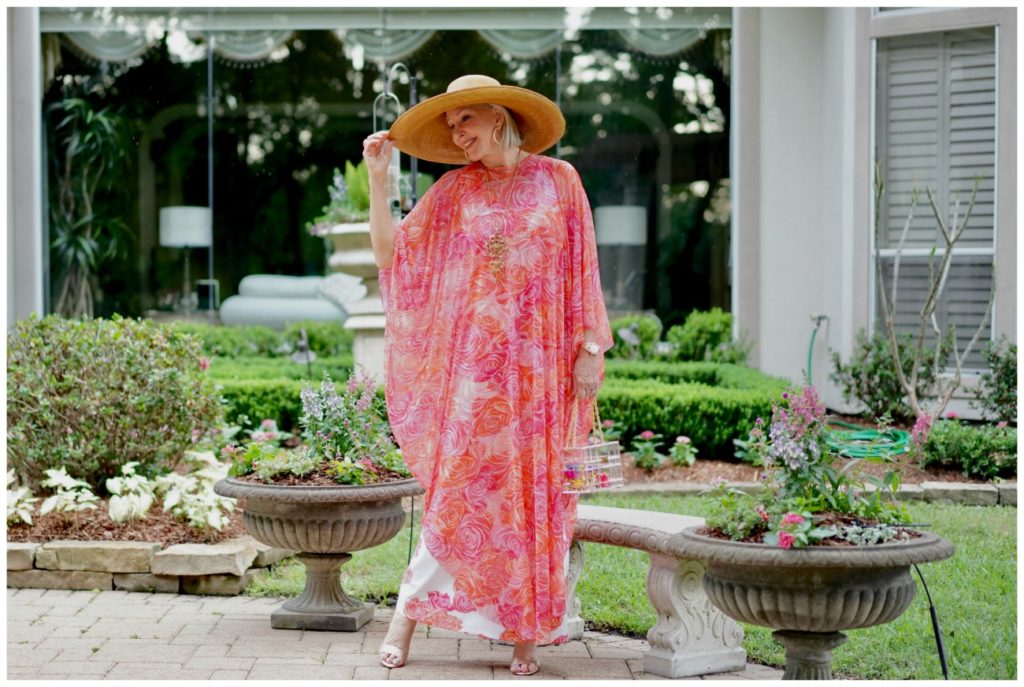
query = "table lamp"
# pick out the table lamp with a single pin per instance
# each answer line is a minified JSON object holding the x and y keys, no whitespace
{"x":186,"y":226}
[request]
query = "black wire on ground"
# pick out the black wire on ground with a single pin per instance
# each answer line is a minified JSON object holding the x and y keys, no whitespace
{"x":935,"y":626}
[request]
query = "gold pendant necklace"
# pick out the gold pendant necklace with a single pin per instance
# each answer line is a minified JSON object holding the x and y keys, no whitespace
{"x":497,"y":244}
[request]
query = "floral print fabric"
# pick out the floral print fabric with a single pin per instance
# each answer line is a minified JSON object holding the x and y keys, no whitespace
{"x":479,"y":369}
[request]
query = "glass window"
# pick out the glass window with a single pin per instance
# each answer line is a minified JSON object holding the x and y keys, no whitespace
{"x":647,"y":129}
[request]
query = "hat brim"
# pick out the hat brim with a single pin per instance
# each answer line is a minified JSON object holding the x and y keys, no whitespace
{"x":422,"y":132}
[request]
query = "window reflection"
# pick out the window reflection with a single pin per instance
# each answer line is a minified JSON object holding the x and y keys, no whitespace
{"x":647,"y":114}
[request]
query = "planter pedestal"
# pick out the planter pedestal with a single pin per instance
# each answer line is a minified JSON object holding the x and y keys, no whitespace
{"x":323,"y":604}
{"x":324,"y":524}
{"x":808,"y":654}
{"x":808,"y":595}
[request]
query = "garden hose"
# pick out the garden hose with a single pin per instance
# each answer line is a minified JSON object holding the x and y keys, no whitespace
{"x":854,"y":441}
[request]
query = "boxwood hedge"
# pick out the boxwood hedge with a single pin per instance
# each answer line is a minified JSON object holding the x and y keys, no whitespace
{"x":709,"y":402}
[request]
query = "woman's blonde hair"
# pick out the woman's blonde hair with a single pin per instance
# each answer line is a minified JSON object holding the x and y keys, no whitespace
{"x":510,"y":136}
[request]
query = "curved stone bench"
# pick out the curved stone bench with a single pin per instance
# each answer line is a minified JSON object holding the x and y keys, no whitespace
{"x":691,"y":637}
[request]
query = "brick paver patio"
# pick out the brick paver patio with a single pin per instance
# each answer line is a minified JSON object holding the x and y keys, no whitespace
{"x":53,"y":634}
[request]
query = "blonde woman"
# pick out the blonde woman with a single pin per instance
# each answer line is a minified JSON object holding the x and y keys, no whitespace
{"x":496,"y":327}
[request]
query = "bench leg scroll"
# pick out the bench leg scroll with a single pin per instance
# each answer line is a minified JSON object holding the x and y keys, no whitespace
{"x":691,"y":637}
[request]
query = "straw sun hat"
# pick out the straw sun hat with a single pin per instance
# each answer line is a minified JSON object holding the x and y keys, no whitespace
{"x":422,"y":131}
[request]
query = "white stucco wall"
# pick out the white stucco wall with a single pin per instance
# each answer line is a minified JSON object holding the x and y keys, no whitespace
{"x":24,"y":166}
{"x":792,"y":211}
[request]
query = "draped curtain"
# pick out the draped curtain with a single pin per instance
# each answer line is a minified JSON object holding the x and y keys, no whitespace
{"x":247,"y":47}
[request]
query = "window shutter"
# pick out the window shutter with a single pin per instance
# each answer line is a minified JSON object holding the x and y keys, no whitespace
{"x":936,"y":109}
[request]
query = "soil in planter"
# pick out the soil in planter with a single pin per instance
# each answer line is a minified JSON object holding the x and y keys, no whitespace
{"x":318,"y":478}
{"x":826,"y":519}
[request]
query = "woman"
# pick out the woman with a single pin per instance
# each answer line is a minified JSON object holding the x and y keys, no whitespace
{"x":496,"y":326}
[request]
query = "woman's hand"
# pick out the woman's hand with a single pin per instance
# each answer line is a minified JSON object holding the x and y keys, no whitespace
{"x":587,"y":374}
{"x":377,"y":153}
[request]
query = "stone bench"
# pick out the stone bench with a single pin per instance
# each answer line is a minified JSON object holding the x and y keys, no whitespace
{"x":691,"y":636}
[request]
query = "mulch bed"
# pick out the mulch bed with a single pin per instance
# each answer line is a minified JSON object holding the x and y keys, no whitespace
{"x":96,"y":525}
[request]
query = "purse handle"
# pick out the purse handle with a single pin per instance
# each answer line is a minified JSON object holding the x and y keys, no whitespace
{"x":596,"y":419}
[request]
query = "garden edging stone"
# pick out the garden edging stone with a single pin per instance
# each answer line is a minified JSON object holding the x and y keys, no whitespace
{"x":230,"y":557}
{"x":1007,"y":493}
{"x":112,"y":557}
{"x":967,"y":494}
{"x":21,"y":556}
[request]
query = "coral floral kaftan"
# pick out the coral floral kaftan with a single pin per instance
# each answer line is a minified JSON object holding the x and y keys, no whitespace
{"x":479,"y":368}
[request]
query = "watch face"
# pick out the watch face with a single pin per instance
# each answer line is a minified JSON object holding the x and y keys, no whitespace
{"x":592,"y":348}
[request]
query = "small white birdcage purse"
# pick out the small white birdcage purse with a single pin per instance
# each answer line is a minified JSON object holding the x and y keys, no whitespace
{"x":594,"y":467}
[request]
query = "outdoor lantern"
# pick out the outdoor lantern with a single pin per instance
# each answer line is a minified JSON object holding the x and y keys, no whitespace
{"x":622,"y":252}
{"x":186,"y":226}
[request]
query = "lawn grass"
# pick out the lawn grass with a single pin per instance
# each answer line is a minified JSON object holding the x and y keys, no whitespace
{"x":975,"y":594}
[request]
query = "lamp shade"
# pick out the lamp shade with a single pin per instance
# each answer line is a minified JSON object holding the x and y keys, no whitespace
{"x":183,"y":226}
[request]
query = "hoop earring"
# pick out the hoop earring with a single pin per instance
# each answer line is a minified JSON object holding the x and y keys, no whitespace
{"x":468,"y":159}
{"x":494,"y":136}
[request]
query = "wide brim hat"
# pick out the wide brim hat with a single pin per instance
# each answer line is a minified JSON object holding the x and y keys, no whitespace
{"x":423,"y":133}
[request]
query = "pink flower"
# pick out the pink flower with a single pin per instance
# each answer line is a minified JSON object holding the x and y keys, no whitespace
{"x":268,"y":425}
{"x":786,"y":540}
{"x":608,"y":423}
{"x":682,"y":440}
{"x":647,"y":435}
{"x":762,"y":513}
{"x":204,"y":364}
{"x":1001,"y":424}
{"x":951,"y":415}
{"x":922,"y":427}
{"x":792,"y":519}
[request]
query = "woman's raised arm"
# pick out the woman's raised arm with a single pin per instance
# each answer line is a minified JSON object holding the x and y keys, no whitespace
{"x":377,"y":153}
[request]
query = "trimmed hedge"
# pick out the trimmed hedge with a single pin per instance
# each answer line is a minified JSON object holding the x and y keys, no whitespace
{"x":711,"y":416}
{"x":711,"y":403}
{"x":257,"y":367}
{"x":325,"y":338}
{"x":721,"y":375}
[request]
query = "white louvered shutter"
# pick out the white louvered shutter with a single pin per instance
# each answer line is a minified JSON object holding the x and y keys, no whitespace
{"x":936,"y":127}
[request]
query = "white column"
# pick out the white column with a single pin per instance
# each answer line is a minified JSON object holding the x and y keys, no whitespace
{"x":25,"y":240}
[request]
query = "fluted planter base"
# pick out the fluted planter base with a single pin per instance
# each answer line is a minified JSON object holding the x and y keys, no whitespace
{"x":808,"y":654}
{"x":323,"y":604}
{"x":808,"y":595}
{"x":324,"y":524}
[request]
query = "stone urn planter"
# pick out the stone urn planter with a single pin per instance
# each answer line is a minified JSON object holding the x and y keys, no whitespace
{"x":324,"y":524}
{"x":808,"y":595}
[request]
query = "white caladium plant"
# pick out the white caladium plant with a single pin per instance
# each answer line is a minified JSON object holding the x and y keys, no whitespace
{"x":19,"y":501}
{"x":131,"y":495}
{"x":72,"y":495}
{"x":191,"y":497}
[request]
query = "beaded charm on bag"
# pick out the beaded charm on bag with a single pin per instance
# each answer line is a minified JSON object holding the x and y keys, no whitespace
{"x":594,"y":467}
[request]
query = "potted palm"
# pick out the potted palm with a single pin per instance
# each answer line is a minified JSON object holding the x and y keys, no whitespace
{"x":815,"y":552}
{"x":340,"y":492}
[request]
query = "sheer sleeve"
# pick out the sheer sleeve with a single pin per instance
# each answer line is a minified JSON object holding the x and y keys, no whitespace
{"x":585,"y":308}
{"x":419,"y":237}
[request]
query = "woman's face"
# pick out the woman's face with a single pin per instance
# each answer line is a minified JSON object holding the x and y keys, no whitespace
{"x":472,"y":130}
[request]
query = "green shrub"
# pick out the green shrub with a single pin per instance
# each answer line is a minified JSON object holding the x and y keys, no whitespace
{"x":997,"y":388}
{"x":984,"y":451}
{"x":90,"y":396}
{"x":707,"y":335}
{"x":255,"y":367}
{"x":325,"y":338}
{"x":721,"y":375}
{"x":870,"y":376}
{"x":262,"y":399}
{"x":232,"y":341}
{"x":710,"y":416}
{"x":648,"y":331}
